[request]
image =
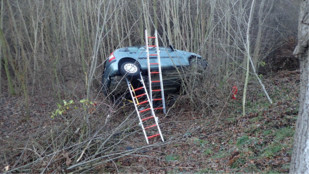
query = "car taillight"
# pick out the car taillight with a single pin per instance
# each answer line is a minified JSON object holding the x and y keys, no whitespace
{"x":111,"y":57}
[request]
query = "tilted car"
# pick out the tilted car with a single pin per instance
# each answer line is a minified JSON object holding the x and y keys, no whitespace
{"x":130,"y":61}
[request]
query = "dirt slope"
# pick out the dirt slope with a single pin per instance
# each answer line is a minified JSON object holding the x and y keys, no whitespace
{"x":225,"y":141}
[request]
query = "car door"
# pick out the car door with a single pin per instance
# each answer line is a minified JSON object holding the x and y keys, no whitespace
{"x":171,"y":58}
{"x":142,"y":58}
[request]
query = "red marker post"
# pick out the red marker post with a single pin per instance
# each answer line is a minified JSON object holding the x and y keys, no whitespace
{"x":234,"y":92}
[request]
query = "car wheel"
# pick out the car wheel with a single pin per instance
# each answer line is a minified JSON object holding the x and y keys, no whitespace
{"x":130,"y":69}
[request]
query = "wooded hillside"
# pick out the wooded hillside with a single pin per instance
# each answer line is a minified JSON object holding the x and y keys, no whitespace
{"x":54,"y":117}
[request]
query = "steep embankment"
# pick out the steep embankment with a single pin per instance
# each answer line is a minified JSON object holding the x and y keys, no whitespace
{"x":196,"y":141}
{"x":261,"y":141}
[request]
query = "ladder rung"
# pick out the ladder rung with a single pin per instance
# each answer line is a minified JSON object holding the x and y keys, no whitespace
{"x":150,"y":126}
{"x":151,"y":46}
{"x":157,"y":99}
{"x":154,"y":72}
{"x":156,"y":90}
{"x":158,"y":108}
{"x":154,"y":63}
{"x":141,"y":95}
{"x":152,"y":136}
{"x":156,"y":81}
{"x":139,"y":88}
{"x":143,"y":102}
{"x":153,"y":54}
{"x":147,"y":118}
{"x":144,"y":110}
{"x":151,"y":37}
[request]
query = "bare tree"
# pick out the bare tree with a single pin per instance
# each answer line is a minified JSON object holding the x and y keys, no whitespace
{"x":248,"y":58}
{"x":300,"y":156}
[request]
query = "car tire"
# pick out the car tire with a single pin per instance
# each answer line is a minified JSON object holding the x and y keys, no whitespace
{"x":130,"y":69}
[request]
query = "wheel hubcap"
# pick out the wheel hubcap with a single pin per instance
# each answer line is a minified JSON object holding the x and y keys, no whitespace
{"x":130,"y":68}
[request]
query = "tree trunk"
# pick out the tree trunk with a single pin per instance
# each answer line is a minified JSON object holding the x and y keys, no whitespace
{"x":247,"y":46}
{"x":300,"y":156}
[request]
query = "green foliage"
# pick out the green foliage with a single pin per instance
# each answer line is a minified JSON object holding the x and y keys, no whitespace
{"x":62,"y":108}
{"x":262,"y":63}
{"x":251,"y":168}
{"x":282,"y":133}
{"x":255,"y":119}
{"x":207,"y":170}
{"x":86,"y":101}
{"x":273,"y":172}
{"x":267,"y":132}
{"x":230,"y":119}
{"x":67,"y":105}
{"x":242,"y":141}
{"x":239,"y":162}
{"x":208,"y":151}
{"x":272,"y":150}
{"x":220,"y":154}
{"x":172,"y":158}
{"x":200,"y":142}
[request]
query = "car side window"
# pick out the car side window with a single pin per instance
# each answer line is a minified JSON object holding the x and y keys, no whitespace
{"x":152,"y":49}
{"x":142,"y":49}
{"x":165,"y":49}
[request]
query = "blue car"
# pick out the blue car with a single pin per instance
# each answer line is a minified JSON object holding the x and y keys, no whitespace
{"x":131,"y":61}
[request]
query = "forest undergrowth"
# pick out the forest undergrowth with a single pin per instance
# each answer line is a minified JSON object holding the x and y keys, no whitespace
{"x":212,"y":137}
{"x":55,"y":119}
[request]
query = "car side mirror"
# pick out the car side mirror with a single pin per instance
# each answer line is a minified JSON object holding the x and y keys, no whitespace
{"x":172,"y":48}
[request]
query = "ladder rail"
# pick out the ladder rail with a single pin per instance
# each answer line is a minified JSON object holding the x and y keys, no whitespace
{"x":160,"y":71}
{"x":149,"y":67}
{"x":152,"y":110}
{"x":159,"y":67}
{"x":137,"y":111}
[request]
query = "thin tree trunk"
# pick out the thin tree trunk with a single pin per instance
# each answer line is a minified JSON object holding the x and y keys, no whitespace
{"x":247,"y":46}
{"x":6,"y":56}
{"x":300,"y":156}
{"x":257,"y":48}
{"x":1,"y":29}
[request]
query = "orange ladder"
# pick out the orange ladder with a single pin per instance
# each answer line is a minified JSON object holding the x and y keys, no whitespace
{"x":154,"y":69}
{"x":145,"y":111}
